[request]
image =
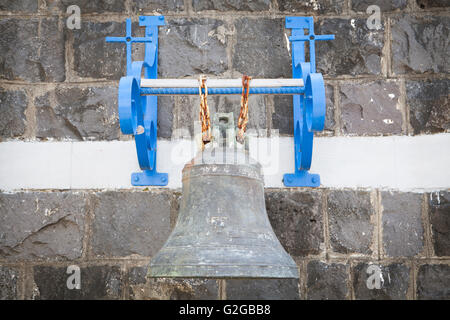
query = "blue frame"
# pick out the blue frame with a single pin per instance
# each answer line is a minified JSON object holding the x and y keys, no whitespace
{"x":309,"y":108}
{"x":138,"y":107}
{"x":138,"y":115}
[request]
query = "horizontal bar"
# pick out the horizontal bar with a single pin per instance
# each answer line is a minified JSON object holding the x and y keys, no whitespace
{"x":194,"y":91}
{"x":220,"y":83}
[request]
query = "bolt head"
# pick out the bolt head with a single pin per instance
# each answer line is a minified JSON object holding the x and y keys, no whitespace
{"x":142,"y":18}
{"x":164,"y":179}
{"x":161,"y":18}
{"x":314,"y":179}
{"x":136,"y":178}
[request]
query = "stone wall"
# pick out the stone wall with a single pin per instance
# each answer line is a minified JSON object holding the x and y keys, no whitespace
{"x":61,"y":84}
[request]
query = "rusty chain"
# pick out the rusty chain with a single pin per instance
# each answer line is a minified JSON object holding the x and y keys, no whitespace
{"x":243,"y":115}
{"x":204,"y":111}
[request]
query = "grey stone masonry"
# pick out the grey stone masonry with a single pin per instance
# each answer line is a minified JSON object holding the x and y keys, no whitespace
{"x":230,"y":5}
{"x":142,"y":287}
{"x":88,"y":113}
{"x":27,"y":6}
{"x":87,"y":6}
{"x":191,"y":47}
{"x":402,"y":224}
{"x":265,"y":289}
{"x":429,"y":105}
{"x":32,"y":50}
{"x":130,"y":223}
{"x":356,"y":49}
{"x":371,"y":108}
{"x":42,"y":225}
{"x":60,"y":85}
{"x":433,"y":282}
{"x":384,"y":5}
{"x":350,"y":215}
{"x":261,"y":53}
{"x":393,"y":282}
{"x":93,"y":57}
{"x":296,"y":218}
{"x":317,"y":7}
{"x":420,"y":44}
{"x":160,"y":6}
{"x":8,"y":283}
{"x":12,"y":109}
{"x":98,"y":282}
{"x":326,"y":281}
{"x":439,"y":213}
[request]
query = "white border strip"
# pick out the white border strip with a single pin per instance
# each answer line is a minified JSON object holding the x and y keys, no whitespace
{"x":419,"y":163}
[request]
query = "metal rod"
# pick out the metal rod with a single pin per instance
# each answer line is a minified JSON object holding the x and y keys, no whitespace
{"x":195,"y":91}
{"x":220,"y":83}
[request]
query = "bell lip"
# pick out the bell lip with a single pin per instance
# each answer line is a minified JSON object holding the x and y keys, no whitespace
{"x":223,"y":272}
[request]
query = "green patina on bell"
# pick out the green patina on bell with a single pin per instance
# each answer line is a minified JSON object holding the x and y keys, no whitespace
{"x":222,"y":229}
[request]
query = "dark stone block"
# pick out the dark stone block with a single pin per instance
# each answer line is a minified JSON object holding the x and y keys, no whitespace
{"x":161,"y":6}
{"x":296,"y":218}
{"x":429,"y":4}
{"x":165,"y":116}
{"x":429,"y":105}
{"x":192,"y":47}
{"x":128,"y":223}
{"x":318,"y":7}
{"x":32,"y":51}
{"x":420,"y":44}
{"x":97,"y":283}
{"x":42,"y":225}
{"x":349,"y":214}
{"x":8,"y":283}
{"x":356,"y":50}
{"x":230,"y":5}
{"x":170,"y":289}
{"x":261,"y":49}
{"x":371,"y":108}
{"x":12,"y":113}
{"x":402,"y":224}
{"x":384,"y":5}
{"x":89,"y":6}
{"x":326,"y":281}
{"x":262,"y":289}
{"x":394,"y":280}
{"x":283,"y":116}
{"x":93,"y":57}
{"x":439,"y":211}
{"x":433,"y":282}
{"x":78,"y":113}
{"x":19,"y":5}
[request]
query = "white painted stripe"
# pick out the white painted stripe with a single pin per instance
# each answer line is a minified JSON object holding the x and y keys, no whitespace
{"x":219,"y":83}
{"x":419,"y":163}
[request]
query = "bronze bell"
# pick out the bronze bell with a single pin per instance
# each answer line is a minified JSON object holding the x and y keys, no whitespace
{"x":223,"y":230}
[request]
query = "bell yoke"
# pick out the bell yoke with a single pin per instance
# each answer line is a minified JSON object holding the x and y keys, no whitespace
{"x":222,"y":230}
{"x":139,"y":88}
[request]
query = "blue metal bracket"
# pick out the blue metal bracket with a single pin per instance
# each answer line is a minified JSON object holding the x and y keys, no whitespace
{"x":138,"y":115}
{"x":138,"y":106}
{"x":309,"y":109}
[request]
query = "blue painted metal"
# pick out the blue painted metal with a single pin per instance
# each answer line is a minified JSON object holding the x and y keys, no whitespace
{"x":138,"y":115}
{"x":212,"y":91}
{"x":138,"y":106}
{"x":309,"y":108}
